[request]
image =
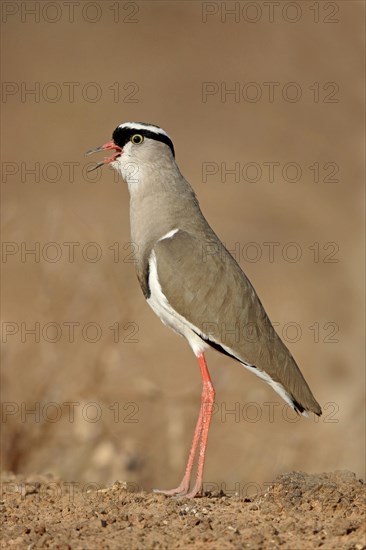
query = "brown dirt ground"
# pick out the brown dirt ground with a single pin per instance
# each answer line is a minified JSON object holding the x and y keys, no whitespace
{"x":298,"y":511}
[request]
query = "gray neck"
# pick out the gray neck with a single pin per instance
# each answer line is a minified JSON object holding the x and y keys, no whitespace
{"x":160,"y":201}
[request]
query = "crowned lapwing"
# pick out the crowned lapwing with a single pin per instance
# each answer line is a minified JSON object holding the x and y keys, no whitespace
{"x":193,"y":283}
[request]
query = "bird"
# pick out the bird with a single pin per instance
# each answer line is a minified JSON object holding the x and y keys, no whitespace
{"x":193,"y":283}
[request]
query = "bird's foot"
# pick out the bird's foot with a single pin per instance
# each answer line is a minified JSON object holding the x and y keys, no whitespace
{"x":181,"y":492}
{"x":197,"y":491}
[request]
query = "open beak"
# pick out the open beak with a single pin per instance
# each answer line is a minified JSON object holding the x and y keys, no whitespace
{"x":107,"y":160}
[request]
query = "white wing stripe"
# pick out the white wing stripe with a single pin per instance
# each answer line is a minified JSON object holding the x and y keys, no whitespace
{"x":169,"y":235}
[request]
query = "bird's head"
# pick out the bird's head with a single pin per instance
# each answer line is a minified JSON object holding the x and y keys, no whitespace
{"x":137,"y":146}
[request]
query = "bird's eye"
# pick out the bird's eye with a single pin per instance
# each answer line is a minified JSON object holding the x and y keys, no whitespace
{"x":137,"y":139}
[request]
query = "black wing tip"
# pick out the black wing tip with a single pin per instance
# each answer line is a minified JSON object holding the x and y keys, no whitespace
{"x":300,"y":409}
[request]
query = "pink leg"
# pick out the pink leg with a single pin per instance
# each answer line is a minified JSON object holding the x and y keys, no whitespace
{"x":184,"y":485}
{"x":208,"y":396}
{"x":201,"y":432}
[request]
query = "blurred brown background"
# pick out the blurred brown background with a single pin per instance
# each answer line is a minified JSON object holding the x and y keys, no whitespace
{"x":108,"y":410}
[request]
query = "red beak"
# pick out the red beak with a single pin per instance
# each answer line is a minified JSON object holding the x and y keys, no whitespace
{"x":107,"y":160}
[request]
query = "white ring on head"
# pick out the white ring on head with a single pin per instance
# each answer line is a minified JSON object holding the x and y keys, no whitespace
{"x":142,"y":126}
